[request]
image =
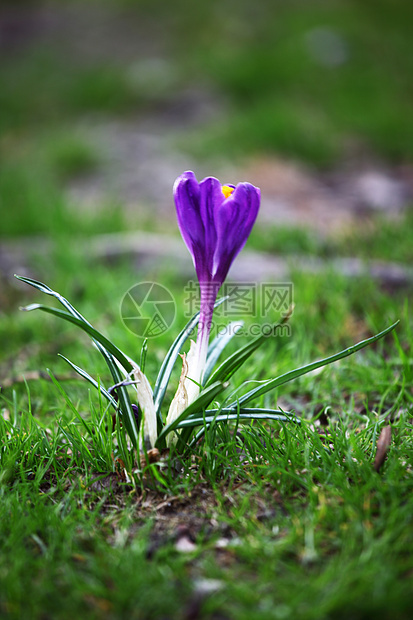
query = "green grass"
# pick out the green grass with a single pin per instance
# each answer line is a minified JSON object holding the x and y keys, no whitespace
{"x":269,"y":508}
{"x":98,"y":578}
{"x":293,"y":513}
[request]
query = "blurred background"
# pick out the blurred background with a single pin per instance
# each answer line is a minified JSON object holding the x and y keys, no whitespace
{"x":104,"y":103}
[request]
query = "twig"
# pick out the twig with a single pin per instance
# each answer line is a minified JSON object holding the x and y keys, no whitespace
{"x":35,"y":375}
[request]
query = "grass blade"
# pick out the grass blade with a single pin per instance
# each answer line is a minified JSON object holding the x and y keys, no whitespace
{"x":70,"y":404}
{"x":91,"y":380}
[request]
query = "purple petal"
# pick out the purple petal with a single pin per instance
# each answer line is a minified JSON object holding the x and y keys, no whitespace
{"x":187,"y":197}
{"x":235,"y":219}
{"x":187,"y":200}
{"x":196,"y":206}
{"x":211,"y":199}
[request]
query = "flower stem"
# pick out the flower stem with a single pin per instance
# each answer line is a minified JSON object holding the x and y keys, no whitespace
{"x":209,"y":292}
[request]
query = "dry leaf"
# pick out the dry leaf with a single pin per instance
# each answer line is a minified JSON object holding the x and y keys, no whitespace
{"x":383,"y":444}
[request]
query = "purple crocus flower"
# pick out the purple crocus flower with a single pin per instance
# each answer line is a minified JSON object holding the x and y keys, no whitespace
{"x":215,"y":221}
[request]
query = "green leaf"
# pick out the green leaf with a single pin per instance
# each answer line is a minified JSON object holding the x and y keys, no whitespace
{"x":226,"y":415}
{"x":48,"y":291}
{"x":165,"y":371}
{"x":87,"y":327}
{"x":124,"y":407}
{"x":235,"y":361}
{"x":293,"y":374}
{"x":218,"y":345}
{"x":245,"y":413}
{"x":229,"y":366}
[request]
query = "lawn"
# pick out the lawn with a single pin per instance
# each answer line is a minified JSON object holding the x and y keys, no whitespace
{"x":258,"y":520}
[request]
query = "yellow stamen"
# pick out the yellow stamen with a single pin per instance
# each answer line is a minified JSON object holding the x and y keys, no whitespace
{"x":227,"y":190}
